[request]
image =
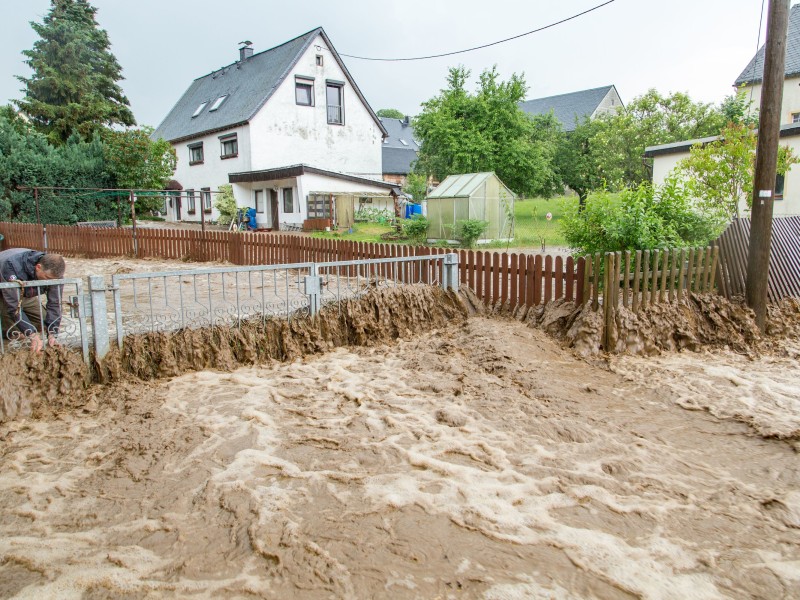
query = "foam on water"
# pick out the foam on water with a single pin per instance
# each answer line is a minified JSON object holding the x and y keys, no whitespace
{"x":477,"y":463}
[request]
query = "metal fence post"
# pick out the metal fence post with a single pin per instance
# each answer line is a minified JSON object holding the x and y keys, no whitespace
{"x":313,"y":285}
{"x":450,"y":272}
{"x":97,"y":295}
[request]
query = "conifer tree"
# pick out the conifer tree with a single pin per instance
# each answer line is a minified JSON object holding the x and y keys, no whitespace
{"x":73,"y":88}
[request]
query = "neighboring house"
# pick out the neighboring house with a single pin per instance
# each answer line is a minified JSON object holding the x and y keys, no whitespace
{"x":400,"y":149}
{"x":752,"y":76}
{"x":574,"y":107}
{"x":279,"y":125}
{"x":787,"y":188}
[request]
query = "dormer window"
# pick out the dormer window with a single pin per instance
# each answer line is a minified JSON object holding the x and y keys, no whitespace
{"x":217,"y":103}
{"x":199,"y":109}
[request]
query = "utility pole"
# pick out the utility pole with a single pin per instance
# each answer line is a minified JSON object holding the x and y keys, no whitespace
{"x":766,"y":160}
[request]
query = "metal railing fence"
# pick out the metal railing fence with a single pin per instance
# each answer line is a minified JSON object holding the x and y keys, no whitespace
{"x":219,"y":296}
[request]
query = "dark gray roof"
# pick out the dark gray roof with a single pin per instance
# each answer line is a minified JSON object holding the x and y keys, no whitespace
{"x":397,"y":161}
{"x":788,"y":130}
{"x":754,"y":71}
{"x":568,"y":107}
{"x":399,"y":129}
{"x":248,"y":84}
{"x":400,"y":147}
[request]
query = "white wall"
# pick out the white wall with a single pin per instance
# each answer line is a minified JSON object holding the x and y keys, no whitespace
{"x":611,"y":103}
{"x":791,"y":98}
{"x":213,"y":172}
{"x":789,"y":205}
{"x":284,"y":133}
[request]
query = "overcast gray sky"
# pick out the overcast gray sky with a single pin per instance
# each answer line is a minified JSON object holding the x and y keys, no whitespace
{"x":696,"y":46}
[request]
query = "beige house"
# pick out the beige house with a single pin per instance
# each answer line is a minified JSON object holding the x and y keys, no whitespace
{"x":787,"y":189}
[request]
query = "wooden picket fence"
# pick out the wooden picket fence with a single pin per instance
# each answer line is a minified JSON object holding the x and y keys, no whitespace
{"x":498,"y":278}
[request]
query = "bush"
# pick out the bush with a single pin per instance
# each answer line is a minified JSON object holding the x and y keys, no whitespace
{"x":416,"y":229}
{"x":641,"y":218}
{"x":471,"y":230}
{"x":225,"y":203}
{"x":367,"y":214}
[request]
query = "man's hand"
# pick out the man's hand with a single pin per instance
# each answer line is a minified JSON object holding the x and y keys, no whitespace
{"x":36,"y":342}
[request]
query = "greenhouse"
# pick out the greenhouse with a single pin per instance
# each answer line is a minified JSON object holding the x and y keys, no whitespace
{"x":478,"y":196}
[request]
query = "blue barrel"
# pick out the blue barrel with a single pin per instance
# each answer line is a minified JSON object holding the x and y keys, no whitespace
{"x":413,"y":209}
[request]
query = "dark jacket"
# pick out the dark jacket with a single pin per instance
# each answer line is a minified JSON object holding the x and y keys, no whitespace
{"x":19,"y":264}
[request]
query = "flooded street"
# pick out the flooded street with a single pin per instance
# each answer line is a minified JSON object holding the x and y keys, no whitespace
{"x":474,"y":461}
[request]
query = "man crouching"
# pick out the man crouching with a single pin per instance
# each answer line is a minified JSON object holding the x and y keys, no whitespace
{"x":21,"y":311}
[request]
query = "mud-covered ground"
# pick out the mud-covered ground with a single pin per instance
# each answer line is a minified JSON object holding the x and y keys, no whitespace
{"x":471,"y":458}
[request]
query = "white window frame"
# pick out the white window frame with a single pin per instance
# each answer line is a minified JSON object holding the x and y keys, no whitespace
{"x":190,"y":202}
{"x":217,"y":103}
{"x":200,"y":109}
{"x":256,"y":202}
{"x":205,"y":198}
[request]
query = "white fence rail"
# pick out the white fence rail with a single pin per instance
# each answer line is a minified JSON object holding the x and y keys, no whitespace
{"x":222,"y":296}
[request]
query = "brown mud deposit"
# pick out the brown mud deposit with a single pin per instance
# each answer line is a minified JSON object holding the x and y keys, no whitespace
{"x":432,"y":457}
{"x":701,"y":322}
{"x":58,"y":377}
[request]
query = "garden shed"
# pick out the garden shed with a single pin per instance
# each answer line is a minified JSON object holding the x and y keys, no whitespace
{"x":480,"y":196}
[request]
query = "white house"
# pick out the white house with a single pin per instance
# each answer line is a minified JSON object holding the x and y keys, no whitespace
{"x":665,"y":157}
{"x":278,"y":125}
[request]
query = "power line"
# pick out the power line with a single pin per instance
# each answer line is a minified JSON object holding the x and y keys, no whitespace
{"x":580,"y":14}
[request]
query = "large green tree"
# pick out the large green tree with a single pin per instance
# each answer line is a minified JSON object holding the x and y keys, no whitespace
{"x":462,"y":132}
{"x":390,"y":113}
{"x":74,"y":86}
{"x":620,"y":138}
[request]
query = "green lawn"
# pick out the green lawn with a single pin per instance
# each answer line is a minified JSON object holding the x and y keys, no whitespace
{"x":532,"y":229}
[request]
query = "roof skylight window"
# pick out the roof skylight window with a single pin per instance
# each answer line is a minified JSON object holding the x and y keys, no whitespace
{"x":217,"y":103}
{"x":402,"y":141}
{"x":199,"y":109}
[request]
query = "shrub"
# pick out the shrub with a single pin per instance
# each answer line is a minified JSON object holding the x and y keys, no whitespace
{"x":641,"y":218}
{"x":225,"y":203}
{"x":416,"y":229}
{"x":471,"y":230}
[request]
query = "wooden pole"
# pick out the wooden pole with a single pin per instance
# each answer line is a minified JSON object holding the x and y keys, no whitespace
{"x":766,"y":160}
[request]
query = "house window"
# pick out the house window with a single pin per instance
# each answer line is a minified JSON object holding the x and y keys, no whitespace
{"x":319,"y":206}
{"x":319,"y":60}
{"x":199,"y":109}
{"x":190,"y":201}
{"x":217,"y":103}
{"x":304,"y":91}
{"x":796,"y":117}
{"x":229,"y":146}
{"x":288,"y":200}
{"x":205,"y":194}
{"x":196,"y":154}
{"x":334,"y":98}
{"x":259,"y":201}
{"x":780,"y":182}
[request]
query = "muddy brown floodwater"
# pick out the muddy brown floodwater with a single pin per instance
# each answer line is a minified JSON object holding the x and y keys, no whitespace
{"x":475,"y":459}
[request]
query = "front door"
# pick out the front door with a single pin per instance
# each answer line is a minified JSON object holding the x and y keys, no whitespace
{"x":273,"y":210}
{"x":177,"y":207}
